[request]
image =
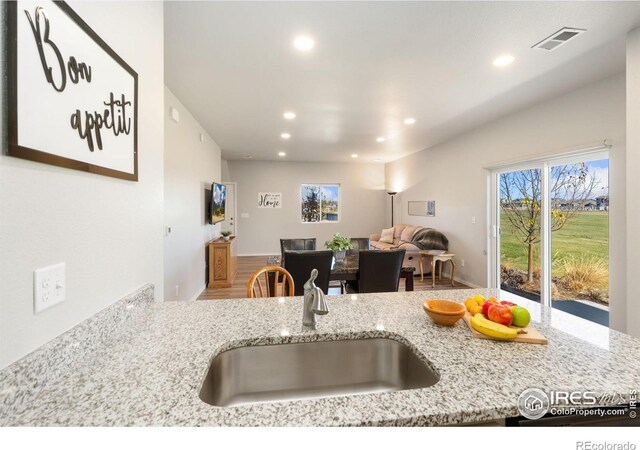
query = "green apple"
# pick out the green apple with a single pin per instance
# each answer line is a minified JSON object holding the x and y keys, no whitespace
{"x":521,"y":316}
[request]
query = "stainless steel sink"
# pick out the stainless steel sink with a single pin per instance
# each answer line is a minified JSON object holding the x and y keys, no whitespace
{"x":283,"y":372}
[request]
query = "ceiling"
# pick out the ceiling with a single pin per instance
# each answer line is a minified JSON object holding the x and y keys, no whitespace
{"x":234,"y":67}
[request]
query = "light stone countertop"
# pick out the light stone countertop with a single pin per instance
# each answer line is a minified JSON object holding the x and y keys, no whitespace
{"x":142,"y":363}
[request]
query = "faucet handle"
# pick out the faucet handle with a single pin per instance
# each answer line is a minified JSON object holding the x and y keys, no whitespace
{"x":320,"y":305}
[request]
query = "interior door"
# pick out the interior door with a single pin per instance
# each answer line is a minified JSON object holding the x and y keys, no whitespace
{"x":229,"y":222}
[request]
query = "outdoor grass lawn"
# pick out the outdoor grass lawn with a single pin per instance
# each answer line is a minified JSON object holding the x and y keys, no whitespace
{"x":585,"y":234}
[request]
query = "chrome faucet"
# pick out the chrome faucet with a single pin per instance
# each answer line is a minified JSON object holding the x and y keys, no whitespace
{"x":314,"y":303}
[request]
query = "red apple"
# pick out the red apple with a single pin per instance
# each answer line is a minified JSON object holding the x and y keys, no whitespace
{"x":485,"y":307}
{"x":509,"y":304}
{"x":500,"y":314}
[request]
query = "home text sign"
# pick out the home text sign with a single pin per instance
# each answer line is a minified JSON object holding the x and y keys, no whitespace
{"x":73,"y":102}
{"x":270,"y":200}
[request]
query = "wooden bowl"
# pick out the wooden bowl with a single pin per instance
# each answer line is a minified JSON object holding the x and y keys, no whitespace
{"x":444,"y":312}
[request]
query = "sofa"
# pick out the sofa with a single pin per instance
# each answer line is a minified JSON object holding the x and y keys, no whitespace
{"x":412,"y":238}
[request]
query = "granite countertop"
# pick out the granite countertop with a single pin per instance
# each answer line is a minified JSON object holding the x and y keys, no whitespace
{"x":142,"y":363}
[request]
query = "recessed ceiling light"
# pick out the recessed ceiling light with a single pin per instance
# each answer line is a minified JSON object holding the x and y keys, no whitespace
{"x":289,"y":115}
{"x":377,"y":160}
{"x":282,"y":154}
{"x":354,"y":155}
{"x":380,"y":139}
{"x":503,"y":60}
{"x":303,"y":43}
{"x":285,"y":135}
{"x":248,"y":156}
{"x":409,"y":121}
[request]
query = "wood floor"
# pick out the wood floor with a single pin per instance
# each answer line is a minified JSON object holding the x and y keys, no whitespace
{"x":249,"y":264}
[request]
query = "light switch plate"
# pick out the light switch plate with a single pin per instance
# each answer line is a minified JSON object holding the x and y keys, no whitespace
{"x":49,"y":287}
{"x":244,"y":215}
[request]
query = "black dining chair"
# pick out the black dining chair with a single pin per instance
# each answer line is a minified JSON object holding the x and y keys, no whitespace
{"x":358,"y":244}
{"x":296,"y":244}
{"x":379,"y":270}
{"x":300,"y":263}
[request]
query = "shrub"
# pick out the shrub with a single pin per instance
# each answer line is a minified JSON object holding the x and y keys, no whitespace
{"x":584,"y":273}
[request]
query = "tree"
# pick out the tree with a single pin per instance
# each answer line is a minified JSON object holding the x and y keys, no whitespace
{"x":310,"y":203}
{"x":521,"y":200}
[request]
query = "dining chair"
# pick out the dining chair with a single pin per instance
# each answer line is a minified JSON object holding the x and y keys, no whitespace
{"x":272,"y":281}
{"x":300,"y":263}
{"x":379,"y":270}
{"x":296,"y":244}
{"x":358,"y":244}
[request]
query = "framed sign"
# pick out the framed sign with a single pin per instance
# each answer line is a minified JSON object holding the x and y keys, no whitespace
{"x":73,"y":102}
{"x":270,"y":200}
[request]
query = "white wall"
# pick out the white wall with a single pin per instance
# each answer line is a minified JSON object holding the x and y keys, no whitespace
{"x":225,"y":170}
{"x":633,"y":181}
{"x":452,"y":173}
{"x":362,"y":195}
{"x":107,"y":231}
{"x":190,"y":168}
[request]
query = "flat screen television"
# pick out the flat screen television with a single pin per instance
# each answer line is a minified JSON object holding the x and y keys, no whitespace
{"x":218,"y":203}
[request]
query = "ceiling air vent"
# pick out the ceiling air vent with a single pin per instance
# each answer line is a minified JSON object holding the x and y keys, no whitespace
{"x":558,"y":38}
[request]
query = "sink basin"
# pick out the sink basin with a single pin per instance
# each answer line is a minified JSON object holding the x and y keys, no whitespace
{"x":283,"y":372}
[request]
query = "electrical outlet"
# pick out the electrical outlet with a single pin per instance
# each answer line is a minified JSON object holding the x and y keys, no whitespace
{"x":49,"y":287}
{"x":177,"y":291}
{"x":462,"y":262}
{"x":473,"y":219}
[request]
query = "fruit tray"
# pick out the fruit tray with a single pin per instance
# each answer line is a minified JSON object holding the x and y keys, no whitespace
{"x":530,"y":335}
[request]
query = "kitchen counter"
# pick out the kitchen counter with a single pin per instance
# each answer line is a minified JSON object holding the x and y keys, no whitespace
{"x":142,"y":363}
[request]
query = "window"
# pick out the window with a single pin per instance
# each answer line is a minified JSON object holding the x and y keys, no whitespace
{"x":320,"y":203}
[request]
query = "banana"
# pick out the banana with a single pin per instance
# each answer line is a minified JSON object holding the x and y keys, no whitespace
{"x":495,"y":330}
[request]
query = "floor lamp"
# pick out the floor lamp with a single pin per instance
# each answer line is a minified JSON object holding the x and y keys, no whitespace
{"x":392,"y":194}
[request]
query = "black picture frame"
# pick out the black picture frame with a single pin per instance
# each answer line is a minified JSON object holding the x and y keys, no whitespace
{"x":40,"y":155}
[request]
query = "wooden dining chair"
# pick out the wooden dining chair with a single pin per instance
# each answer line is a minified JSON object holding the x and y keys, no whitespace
{"x":272,"y":278}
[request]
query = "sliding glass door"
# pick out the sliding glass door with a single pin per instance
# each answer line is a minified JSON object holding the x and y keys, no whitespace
{"x":579,"y":190}
{"x":520,"y":216}
{"x":550,"y":221}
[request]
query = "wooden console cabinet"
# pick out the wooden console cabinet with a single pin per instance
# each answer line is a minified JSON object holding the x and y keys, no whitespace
{"x":222,"y":262}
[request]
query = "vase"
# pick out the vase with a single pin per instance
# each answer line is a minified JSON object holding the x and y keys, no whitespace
{"x":226,"y":238}
{"x":339,"y":255}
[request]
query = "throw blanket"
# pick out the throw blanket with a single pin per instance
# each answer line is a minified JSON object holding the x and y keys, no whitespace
{"x":430,"y":239}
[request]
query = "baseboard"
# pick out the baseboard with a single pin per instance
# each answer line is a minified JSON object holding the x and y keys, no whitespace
{"x":199,"y":292}
{"x":459,"y":280}
{"x":468,"y":283}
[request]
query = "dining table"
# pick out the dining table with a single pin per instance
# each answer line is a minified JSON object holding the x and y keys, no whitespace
{"x":348,"y":269}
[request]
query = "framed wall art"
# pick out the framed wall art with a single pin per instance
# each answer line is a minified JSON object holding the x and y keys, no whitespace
{"x":73,"y":101}
{"x":270,"y":200}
